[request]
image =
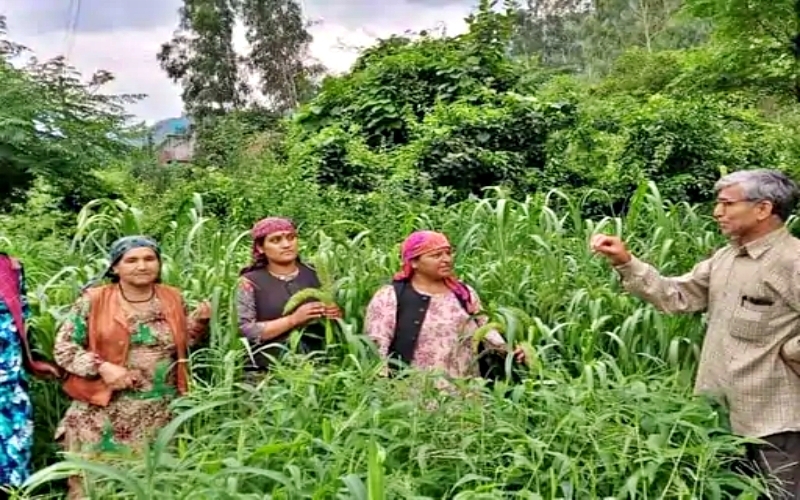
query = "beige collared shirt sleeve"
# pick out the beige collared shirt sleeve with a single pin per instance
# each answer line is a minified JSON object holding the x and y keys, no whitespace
{"x":681,"y":294}
{"x":791,"y":348}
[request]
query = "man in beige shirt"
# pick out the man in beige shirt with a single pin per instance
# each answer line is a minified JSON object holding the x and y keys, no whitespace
{"x":750,"y":289}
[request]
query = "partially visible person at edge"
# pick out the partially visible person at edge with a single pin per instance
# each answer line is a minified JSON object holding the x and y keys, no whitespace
{"x":124,"y":347}
{"x":265,"y":286}
{"x":750,"y":289}
{"x":16,"y":412}
{"x":433,"y":331}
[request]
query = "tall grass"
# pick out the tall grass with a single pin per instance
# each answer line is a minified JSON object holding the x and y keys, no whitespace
{"x":604,"y":412}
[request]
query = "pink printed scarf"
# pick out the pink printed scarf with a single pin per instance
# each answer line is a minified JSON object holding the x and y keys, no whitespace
{"x":421,"y":242}
{"x":10,"y":281}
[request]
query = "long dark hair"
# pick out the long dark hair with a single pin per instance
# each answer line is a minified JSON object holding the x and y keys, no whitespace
{"x":261,"y":262}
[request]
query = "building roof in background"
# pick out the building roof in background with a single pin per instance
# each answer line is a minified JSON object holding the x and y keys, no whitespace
{"x":170,"y":126}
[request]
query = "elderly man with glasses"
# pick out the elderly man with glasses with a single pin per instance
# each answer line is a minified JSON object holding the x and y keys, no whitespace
{"x":750,"y":289}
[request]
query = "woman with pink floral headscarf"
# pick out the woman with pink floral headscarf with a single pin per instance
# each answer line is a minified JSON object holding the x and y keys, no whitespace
{"x":426,"y":317}
{"x":265,"y":286}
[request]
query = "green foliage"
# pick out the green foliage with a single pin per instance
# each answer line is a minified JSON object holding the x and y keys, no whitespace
{"x":467,"y":147}
{"x":457,"y":115}
{"x":681,"y":146}
{"x":200,"y":56}
{"x":343,"y":160}
{"x":315,"y":432}
{"x":399,"y":114}
{"x":56,"y":128}
{"x":279,"y":39}
{"x":623,"y":108}
{"x":385,"y":96}
{"x":216,"y":79}
{"x":400,"y":81}
{"x":223,"y":140}
{"x":759,"y":42}
{"x":587,"y":37}
{"x":641,"y":73}
{"x":593,"y":347}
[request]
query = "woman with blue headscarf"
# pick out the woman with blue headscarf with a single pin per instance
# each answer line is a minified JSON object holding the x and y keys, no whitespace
{"x":124,"y":348}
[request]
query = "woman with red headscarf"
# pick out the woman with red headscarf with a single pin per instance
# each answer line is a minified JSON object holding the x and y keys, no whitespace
{"x":426,"y":317}
{"x":265,"y":287}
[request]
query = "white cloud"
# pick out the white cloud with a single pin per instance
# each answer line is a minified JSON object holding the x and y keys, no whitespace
{"x":336,"y":45}
{"x":131,"y":54}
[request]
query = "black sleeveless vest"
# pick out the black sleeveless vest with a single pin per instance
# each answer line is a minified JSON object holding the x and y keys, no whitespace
{"x":271,"y":296}
{"x":412,"y":307}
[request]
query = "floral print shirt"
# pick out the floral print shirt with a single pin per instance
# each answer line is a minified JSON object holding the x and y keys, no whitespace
{"x":134,"y":414}
{"x":16,"y":412}
{"x":444,"y":341}
{"x":11,"y":367}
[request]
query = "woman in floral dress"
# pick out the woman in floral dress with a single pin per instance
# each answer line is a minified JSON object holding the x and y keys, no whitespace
{"x":443,"y":340}
{"x":120,"y":345}
{"x":16,"y":413}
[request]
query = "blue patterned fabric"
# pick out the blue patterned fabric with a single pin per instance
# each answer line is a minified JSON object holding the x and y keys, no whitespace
{"x":16,"y":413}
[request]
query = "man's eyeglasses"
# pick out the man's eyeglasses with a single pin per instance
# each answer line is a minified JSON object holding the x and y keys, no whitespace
{"x":729,"y":203}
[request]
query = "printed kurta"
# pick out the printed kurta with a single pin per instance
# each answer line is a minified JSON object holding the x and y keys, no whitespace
{"x":133,"y":415}
{"x":445,"y":338}
{"x":16,"y":414}
{"x":752,"y":296}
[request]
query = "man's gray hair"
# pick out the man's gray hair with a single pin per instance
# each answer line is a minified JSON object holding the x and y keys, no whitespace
{"x":764,"y":185}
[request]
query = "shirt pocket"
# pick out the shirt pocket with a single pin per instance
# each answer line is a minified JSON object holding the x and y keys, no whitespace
{"x":752,"y":317}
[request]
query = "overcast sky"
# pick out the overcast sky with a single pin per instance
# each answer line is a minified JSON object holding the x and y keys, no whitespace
{"x":124,"y":36}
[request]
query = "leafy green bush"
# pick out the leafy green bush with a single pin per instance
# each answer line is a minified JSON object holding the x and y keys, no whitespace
{"x":56,"y":128}
{"x":466,"y":147}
